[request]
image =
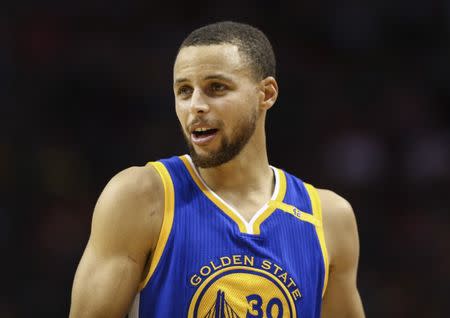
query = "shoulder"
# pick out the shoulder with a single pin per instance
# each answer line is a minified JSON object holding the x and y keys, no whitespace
{"x":131,"y":205}
{"x":334,"y":206}
{"x":340,"y":226}
{"x":134,"y":186}
{"x":141,"y":183}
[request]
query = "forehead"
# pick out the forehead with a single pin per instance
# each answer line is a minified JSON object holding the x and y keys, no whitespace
{"x":201,"y":61}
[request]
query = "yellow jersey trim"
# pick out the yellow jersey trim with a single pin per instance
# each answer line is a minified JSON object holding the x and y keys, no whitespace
{"x":271,"y":207}
{"x":317,"y":213}
{"x":210,"y":196}
{"x":296,"y":212}
{"x":169,"y":207}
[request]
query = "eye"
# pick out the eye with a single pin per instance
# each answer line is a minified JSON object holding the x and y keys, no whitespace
{"x":218,"y":87}
{"x":184,"y":91}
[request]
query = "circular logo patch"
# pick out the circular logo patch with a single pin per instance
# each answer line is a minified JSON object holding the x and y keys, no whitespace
{"x":241,"y":291}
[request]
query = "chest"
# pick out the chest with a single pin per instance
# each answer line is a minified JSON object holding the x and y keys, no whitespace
{"x":218,"y":263}
{"x":279,"y":269}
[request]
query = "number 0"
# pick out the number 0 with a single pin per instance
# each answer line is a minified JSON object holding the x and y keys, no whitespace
{"x":274,"y":302}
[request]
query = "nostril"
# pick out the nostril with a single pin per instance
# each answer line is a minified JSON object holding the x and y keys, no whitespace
{"x":200,"y":108}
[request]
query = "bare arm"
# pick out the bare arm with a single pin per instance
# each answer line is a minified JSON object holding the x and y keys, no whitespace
{"x":125,"y":227}
{"x":341,"y":234}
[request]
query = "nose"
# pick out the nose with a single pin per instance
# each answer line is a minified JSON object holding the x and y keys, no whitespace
{"x":199,"y":104}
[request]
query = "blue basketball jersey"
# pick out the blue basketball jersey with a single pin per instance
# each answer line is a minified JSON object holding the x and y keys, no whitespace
{"x":210,"y":262}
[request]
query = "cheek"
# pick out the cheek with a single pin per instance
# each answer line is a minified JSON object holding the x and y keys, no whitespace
{"x":249,"y":100}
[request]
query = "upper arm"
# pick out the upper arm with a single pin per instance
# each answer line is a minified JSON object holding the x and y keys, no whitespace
{"x":125,"y":226}
{"x":341,"y":234}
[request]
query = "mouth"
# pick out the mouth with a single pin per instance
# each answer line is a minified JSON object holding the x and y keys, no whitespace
{"x":202,"y":136}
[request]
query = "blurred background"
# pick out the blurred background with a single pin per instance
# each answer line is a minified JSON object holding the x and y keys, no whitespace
{"x":364,"y":109}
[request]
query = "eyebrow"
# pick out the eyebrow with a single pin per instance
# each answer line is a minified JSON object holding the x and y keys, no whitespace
{"x":180,"y":80}
{"x":219,"y":77}
{"x":209,"y":77}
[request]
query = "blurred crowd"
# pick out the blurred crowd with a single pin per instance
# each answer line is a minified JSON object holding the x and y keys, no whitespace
{"x":364,"y":109}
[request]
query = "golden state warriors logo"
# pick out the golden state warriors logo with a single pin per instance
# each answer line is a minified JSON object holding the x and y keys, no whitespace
{"x":238,"y":287}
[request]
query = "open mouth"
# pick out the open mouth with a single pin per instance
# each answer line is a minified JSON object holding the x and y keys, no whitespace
{"x":203,"y":132}
{"x":201,"y":136}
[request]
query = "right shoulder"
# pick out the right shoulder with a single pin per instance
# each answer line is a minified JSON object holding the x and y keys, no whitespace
{"x":135,"y":183}
{"x":135,"y":186}
{"x":131,"y":206}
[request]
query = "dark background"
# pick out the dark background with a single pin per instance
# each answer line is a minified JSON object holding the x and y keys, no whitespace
{"x":85,"y":91}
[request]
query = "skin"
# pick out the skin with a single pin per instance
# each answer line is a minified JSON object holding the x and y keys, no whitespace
{"x":214,"y":88}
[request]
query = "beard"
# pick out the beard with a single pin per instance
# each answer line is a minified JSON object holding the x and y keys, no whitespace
{"x":229,"y":147}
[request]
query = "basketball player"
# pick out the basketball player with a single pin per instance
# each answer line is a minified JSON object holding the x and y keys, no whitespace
{"x":219,"y":232}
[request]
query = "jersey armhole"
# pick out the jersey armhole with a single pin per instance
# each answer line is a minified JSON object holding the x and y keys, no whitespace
{"x":317,"y":213}
{"x":166,"y":227}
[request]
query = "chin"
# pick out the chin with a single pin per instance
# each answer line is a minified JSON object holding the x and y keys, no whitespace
{"x":205,"y":161}
{"x":213,"y":159}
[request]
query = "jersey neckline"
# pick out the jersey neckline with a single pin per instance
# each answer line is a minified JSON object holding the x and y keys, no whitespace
{"x":252,"y":226}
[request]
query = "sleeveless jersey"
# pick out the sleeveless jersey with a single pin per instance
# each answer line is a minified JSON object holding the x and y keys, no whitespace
{"x":210,"y":262}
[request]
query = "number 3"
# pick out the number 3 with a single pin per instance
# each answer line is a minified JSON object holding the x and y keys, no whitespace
{"x":256,"y":302}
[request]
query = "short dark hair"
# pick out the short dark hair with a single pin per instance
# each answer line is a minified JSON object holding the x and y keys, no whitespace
{"x":250,"y":41}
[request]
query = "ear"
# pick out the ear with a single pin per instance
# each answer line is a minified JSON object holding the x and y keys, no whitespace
{"x":269,"y":92}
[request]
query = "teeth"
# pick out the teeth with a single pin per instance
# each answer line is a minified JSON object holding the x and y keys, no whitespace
{"x":201,"y":129}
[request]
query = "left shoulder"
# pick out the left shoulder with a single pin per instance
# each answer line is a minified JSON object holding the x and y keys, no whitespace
{"x":335,"y":207}
{"x":339,"y":223}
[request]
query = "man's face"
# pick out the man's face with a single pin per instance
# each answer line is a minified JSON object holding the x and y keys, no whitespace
{"x":216,"y":102}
